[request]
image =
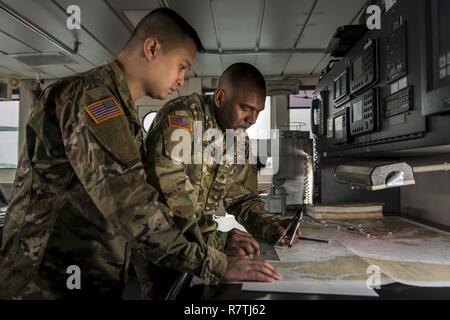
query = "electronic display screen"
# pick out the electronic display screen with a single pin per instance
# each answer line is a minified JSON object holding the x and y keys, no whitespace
{"x":444,"y":25}
{"x":340,"y":86}
{"x":337,"y":88}
{"x":330,"y":128}
{"x":444,"y":41}
{"x":344,"y":84}
{"x":391,"y":104}
{"x":338,"y":130}
{"x":357,"y":68}
{"x":357,"y":113}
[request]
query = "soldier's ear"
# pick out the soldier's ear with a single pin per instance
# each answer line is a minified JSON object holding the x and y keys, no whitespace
{"x":151,"y":45}
{"x":219,"y":97}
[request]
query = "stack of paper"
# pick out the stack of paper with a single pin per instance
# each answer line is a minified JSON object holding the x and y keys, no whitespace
{"x":350,"y":288}
{"x":345,"y":211}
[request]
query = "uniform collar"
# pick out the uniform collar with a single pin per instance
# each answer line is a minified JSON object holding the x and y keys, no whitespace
{"x":121,"y":87}
{"x":211,"y":112}
{"x":120,"y":82}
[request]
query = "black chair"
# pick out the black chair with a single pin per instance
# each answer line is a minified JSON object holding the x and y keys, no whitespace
{"x":3,"y":198}
{"x":3,"y":205}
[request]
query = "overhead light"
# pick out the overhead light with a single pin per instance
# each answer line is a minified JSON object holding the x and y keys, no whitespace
{"x":382,"y":175}
{"x":43,"y":59}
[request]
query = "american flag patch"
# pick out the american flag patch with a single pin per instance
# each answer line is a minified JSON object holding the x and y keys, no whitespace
{"x":180,"y":122}
{"x":103,"y":110}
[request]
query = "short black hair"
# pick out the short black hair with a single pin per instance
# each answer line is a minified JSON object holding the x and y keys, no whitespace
{"x":167,"y":26}
{"x":242,"y":73}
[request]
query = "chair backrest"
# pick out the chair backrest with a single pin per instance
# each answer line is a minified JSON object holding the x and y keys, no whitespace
{"x":3,"y":204}
{"x":3,"y":198}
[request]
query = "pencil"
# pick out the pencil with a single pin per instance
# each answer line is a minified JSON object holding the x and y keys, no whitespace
{"x":291,"y":222}
{"x":315,"y":240}
{"x":294,"y":233}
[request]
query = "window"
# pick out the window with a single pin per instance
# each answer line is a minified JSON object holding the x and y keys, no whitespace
{"x":261,"y":128}
{"x":301,"y":100}
{"x":9,"y":134}
{"x":300,"y":110}
{"x":300,"y":119}
{"x":148,"y":120}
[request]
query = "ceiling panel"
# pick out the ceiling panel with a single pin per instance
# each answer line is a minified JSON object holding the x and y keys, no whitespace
{"x":229,"y":59}
{"x":271,"y":64}
{"x":327,"y":17}
{"x":134,"y":4}
{"x":10,"y":45}
{"x":57,"y":71}
{"x":283,"y":20}
{"x":98,"y":18}
{"x":303,"y":63}
{"x":17,"y":30}
{"x":322,"y":64}
{"x":207,"y":65}
{"x":237,"y":22}
{"x":79,"y":67}
{"x":21,"y":70}
{"x":134,"y":16}
{"x":52,"y":19}
{"x":33,"y":40}
{"x":4,"y":72}
{"x":198,"y":14}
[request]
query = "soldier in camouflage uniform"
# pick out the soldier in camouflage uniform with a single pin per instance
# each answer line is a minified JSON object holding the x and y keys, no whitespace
{"x":198,"y":190}
{"x":80,"y":195}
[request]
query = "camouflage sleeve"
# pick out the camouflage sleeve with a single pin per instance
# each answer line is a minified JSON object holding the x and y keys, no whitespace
{"x":217,"y":239}
{"x":169,"y":151}
{"x":106,"y":160}
{"x":248,"y":208}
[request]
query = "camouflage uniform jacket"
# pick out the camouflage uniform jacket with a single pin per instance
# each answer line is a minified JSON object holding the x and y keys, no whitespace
{"x":80,"y":195}
{"x":198,"y":190}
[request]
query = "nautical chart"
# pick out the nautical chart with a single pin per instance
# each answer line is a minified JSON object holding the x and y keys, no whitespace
{"x":404,"y":251}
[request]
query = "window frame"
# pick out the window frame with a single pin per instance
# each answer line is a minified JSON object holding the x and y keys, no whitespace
{"x":303,"y":88}
{"x":12,"y":129}
{"x":145,"y":116}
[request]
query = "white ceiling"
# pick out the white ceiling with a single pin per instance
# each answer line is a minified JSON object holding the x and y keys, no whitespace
{"x":280,"y":37}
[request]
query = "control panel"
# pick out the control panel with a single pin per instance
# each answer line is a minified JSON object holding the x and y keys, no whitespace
{"x":340,"y":126}
{"x":319,"y":113}
{"x":341,"y":92}
{"x":364,"y":113}
{"x":398,"y":102}
{"x":364,"y":67}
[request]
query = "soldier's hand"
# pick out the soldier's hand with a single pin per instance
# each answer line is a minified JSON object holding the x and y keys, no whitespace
{"x":278,"y":228}
{"x":241,"y":244}
{"x":250,"y":270}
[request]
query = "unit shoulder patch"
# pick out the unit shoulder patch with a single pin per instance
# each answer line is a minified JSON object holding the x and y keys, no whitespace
{"x":104,"y":110}
{"x":180,"y":122}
